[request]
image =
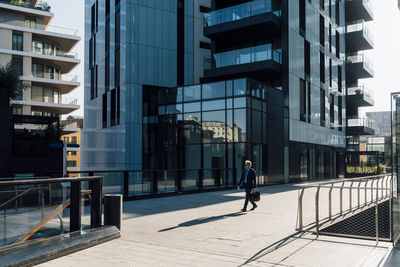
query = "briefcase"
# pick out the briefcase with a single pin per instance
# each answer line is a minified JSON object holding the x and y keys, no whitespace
{"x":255,"y":196}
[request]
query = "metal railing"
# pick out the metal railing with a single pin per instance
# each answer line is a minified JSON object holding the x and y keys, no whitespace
{"x":360,"y":122}
{"x":54,"y":188}
{"x":360,"y":58}
{"x":58,"y":53}
{"x":323,"y":204}
{"x":361,"y":90}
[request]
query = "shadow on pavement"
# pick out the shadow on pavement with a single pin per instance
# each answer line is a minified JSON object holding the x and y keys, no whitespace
{"x":144,"y":207}
{"x":203,"y":220}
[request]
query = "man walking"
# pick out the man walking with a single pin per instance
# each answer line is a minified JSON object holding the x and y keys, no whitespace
{"x":249,"y":180}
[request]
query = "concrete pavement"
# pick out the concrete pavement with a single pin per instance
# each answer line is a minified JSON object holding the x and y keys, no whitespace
{"x":208,"y":229}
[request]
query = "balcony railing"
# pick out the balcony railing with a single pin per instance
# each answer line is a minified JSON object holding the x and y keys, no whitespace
{"x":57,"y":53}
{"x":359,"y":25}
{"x":360,"y":122}
{"x":52,"y":76}
{"x":56,"y":100}
{"x":360,"y":58}
{"x":241,"y":11}
{"x":366,"y":3}
{"x":243,"y":56}
{"x":361,"y":90}
{"x":49,"y":28}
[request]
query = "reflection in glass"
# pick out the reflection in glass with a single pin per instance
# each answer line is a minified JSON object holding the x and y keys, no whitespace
{"x":192,"y":128}
{"x":191,"y":93}
{"x":214,"y":104}
{"x":239,"y":87}
{"x":213,"y":126}
{"x":214,"y":162}
{"x":213,"y":90}
{"x":240,"y":123}
{"x":174,"y":109}
{"x":191,"y":107}
{"x":239,"y":102}
{"x":240,"y":157}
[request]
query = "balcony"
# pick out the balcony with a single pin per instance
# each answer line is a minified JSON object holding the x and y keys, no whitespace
{"x":62,"y":60}
{"x":65,"y":83}
{"x":358,"y":37}
{"x":358,"y":67}
{"x":359,"y":96}
{"x":259,"y":62}
{"x":63,"y":105}
{"x":358,"y":9}
{"x":360,"y":126}
{"x":248,"y":20}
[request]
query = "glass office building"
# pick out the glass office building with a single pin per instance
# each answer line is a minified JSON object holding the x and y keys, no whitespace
{"x":210,"y":126}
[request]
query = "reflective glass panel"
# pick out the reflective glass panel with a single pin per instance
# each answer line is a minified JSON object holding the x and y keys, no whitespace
{"x":214,"y":104}
{"x":192,"y":128}
{"x":240,"y":123}
{"x":213,"y":126}
{"x":239,"y":87}
{"x":213,"y":90}
{"x":191,"y":107}
{"x":191,"y":93}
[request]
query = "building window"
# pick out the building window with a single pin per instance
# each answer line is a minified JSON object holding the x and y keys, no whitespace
{"x":337,"y":12}
{"x":340,"y":111}
{"x":340,"y":88}
{"x":322,"y":4}
{"x":322,"y":107}
{"x":18,"y":41}
{"x":337,"y":37}
{"x":308,"y":102}
{"x":205,"y":45}
{"x":17,"y":110}
{"x":330,"y":37}
{"x":118,"y":105}
{"x":92,"y":75}
{"x":17,"y":64}
{"x":332,"y":109}
{"x":322,"y":67}
{"x":321,"y":30}
{"x":302,"y":17}
{"x":117,"y":68}
{"x":107,"y":37}
{"x":104,"y":117}
{"x":74,"y":140}
{"x":117,"y":28}
{"x":107,"y":9}
{"x":93,"y":18}
{"x":30,"y":22}
{"x":303,"y":107}
{"x":113,"y":104}
{"x":330,"y":72}
{"x":71,"y":163}
{"x":307,"y":61}
{"x":107,"y":74}
{"x":97,"y":15}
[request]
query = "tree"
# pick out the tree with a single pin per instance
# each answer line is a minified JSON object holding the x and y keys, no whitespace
{"x":10,"y":85}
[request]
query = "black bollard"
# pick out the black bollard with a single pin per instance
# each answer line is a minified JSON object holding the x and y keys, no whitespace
{"x":113,"y":210}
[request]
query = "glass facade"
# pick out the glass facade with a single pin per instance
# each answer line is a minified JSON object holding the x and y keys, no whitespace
{"x":213,"y":126}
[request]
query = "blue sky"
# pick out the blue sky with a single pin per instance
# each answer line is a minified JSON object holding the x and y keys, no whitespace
{"x":386,"y":55}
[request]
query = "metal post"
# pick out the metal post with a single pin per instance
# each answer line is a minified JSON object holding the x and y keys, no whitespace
{"x":358,"y":194}
{"x":317,"y":212}
{"x":301,"y":209}
{"x":330,"y":201}
{"x":377,"y":218}
{"x":5,"y":224}
{"x":383,"y":179}
{"x":126,"y":184}
{"x":95,"y":203}
{"x":42,"y":200}
{"x":372,"y":191}
{"x":351,"y":196}
{"x":61,"y":223}
{"x":16,"y":201}
{"x":341,"y":199}
{"x":387,"y":188}
{"x":365,"y":193}
{"x":75,"y":207}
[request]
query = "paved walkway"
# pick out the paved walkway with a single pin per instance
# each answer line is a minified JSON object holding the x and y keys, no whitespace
{"x":207,"y":229}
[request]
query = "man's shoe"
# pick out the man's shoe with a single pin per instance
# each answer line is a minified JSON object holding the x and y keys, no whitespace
{"x":244,"y":210}
{"x":254,"y":207}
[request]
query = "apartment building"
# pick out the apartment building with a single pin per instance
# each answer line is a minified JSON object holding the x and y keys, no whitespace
{"x":42,"y":55}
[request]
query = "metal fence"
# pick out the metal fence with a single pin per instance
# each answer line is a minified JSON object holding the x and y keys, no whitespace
{"x":358,"y":207}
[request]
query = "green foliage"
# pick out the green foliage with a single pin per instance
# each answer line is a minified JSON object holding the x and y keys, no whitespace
{"x":363,"y":169}
{"x":9,"y":81}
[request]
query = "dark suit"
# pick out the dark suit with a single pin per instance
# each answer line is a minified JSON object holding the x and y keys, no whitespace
{"x":249,"y":183}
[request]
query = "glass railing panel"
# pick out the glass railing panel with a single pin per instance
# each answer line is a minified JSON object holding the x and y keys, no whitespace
{"x":112,"y":182}
{"x":359,"y":25}
{"x":360,"y":58}
{"x":25,"y":207}
{"x":361,"y":90}
{"x":140,"y":183}
{"x":243,"y":56}
{"x":360,"y":122}
{"x":190,"y":180}
{"x":239,"y":12}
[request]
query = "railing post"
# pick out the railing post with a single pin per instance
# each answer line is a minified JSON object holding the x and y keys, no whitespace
{"x":358,"y":195}
{"x":351,"y":196}
{"x":317,"y":212}
{"x":75,"y":207}
{"x":383,"y":179}
{"x":330,"y":201}
{"x":300,"y":203}
{"x":341,"y":199}
{"x":372,"y":191}
{"x":387,"y":188}
{"x":42,"y":202}
{"x":5,"y":224}
{"x":96,"y":202}
{"x":179,"y":177}
{"x":377,"y":217}
{"x":365,"y":192}
{"x":155,"y":181}
{"x":126,"y":184}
